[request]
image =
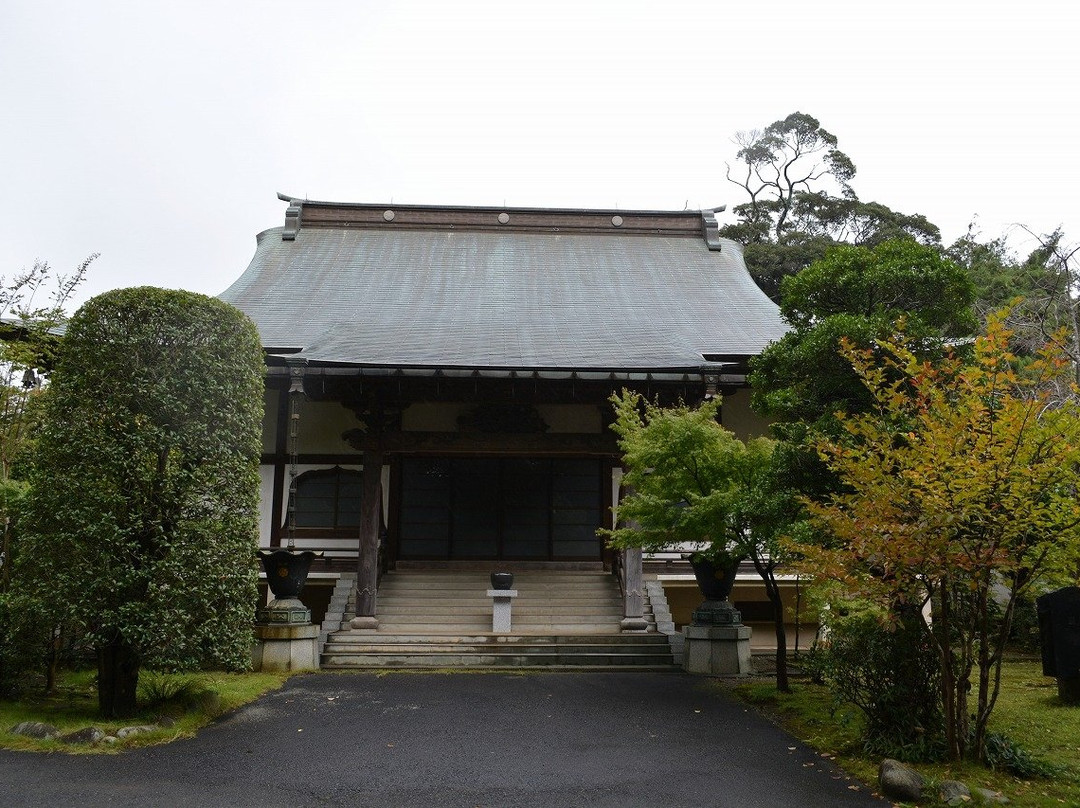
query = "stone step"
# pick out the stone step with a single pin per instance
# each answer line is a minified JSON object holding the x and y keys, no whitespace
{"x":478,"y":575}
{"x":482,"y":638}
{"x":534,"y":576}
{"x":561,"y":621}
{"x":587,"y":590}
{"x":444,"y":618}
{"x":345,"y":649}
{"x":428,"y":598}
{"x":584,"y":579}
{"x":540,"y":629}
{"x":482,"y":607}
{"x":486,"y":574}
{"x":516,"y":566}
{"x":550,"y":661}
{"x":498,"y":651}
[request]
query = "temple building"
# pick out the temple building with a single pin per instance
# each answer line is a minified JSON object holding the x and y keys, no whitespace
{"x":437,"y":390}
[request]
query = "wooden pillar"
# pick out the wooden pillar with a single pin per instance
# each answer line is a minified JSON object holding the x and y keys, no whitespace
{"x":367,"y":572}
{"x":633,"y":621}
{"x":281,"y":460}
{"x":633,"y":593}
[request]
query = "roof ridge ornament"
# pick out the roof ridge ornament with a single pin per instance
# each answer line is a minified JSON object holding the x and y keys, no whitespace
{"x":710,"y":228}
{"x":292,"y":217}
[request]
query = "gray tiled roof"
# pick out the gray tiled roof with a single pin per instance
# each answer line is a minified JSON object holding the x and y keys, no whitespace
{"x":488,"y":299}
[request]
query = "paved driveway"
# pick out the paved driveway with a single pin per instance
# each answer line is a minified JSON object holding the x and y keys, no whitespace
{"x":538,"y":739}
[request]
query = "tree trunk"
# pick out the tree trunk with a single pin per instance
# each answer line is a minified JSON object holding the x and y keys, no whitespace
{"x":118,"y":679}
{"x":767,"y":573}
{"x":942,"y":629}
{"x":52,"y":661}
{"x":782,"y":683}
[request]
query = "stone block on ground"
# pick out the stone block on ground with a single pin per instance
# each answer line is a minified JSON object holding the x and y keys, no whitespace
{"x":717,"y":650}
{"x":900,"y":782}
{"x":84,"y":735}
{"x":986,"y":796}
{"x":142,"y":729}
{"x":285,"y":648}
{"x":953,"y":792}
{"x":35,"y":729}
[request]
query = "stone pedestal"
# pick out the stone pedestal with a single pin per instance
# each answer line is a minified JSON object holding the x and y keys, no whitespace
{"x":717,"y":650}
{"x":500,"y":609}
{"x":717,"y":643}
{"x":288,"y":611}
{"x":284,"y":647}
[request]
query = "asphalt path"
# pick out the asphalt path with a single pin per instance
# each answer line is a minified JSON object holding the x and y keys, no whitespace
{"x":493,"y":740}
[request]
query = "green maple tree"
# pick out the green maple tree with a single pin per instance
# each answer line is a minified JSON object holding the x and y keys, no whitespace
{"x":689,"y":482}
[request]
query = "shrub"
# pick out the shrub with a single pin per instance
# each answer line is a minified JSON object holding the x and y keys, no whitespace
{"x":171,"y":694}
{"x":1003,"y":753}
{"x":15,"y":652}
{"x":892,"y":675}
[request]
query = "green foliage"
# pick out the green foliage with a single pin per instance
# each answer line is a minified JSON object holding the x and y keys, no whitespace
{"x":800,"y":202}
{"x":28,"y":344}
{"x":892,"y":674}
{"x":72,"y":706}
{"x":16,"y":648}
{"x":172,"y":694}
{"x":1026,"y":713}
{"x":1041,"y":279}
{"x":145,"y":492}
{"x":1039,"y":291}
{"x":690,"y":480}
{"x":691,"y":483}
{"x":788,"y":158}
{"x":857,"y":293}
{"x":28,"y":340}
{"x":1002,"y":753}
{"x":848,"y":220}
{"x":770,"y":262}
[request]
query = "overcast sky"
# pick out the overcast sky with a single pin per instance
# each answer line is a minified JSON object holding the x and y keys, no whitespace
{"x":159,"y":133}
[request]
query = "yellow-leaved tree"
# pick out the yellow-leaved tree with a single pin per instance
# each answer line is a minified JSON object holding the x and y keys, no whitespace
{"x":959,"y":492}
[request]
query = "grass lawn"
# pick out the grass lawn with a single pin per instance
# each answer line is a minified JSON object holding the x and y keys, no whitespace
{"x":190,"y":701}
{"x":1028,"y":711}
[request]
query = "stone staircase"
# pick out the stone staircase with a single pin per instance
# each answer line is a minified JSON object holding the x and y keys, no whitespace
{"x":562,"y":619}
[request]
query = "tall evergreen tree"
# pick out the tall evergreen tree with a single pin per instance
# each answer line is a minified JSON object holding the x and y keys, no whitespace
{"x":145,"y":487}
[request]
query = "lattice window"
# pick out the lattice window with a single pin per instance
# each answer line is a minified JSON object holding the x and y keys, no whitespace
{"x":328,"y":499}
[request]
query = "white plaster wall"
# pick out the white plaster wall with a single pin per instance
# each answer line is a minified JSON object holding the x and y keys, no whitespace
{"x":431,"y":416}
{"x":736,"y":415}
{"x":321,"y":426}
{"x":266,"y":504}
{"x":571,"y":418}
